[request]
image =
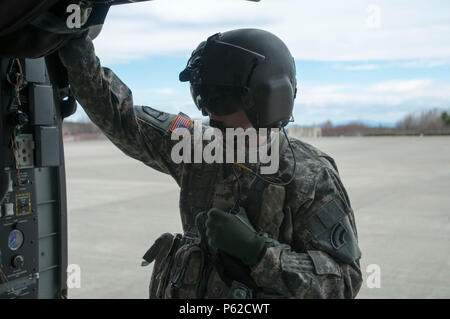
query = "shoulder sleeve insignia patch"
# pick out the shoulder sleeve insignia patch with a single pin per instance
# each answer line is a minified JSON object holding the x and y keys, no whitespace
{"x":180,"y":124}
{"x":163,"y":122}
{"x":331,"y":228}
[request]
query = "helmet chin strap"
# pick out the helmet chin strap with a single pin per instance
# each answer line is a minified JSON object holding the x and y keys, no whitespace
{"x":216,"y":124}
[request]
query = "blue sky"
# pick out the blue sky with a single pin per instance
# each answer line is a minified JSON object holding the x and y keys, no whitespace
{"x":371,"y":61}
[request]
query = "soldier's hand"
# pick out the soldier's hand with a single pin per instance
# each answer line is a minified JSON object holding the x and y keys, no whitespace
{"x":235,"y":235}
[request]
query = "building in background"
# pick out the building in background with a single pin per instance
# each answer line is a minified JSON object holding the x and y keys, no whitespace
{"x":304,"y":131}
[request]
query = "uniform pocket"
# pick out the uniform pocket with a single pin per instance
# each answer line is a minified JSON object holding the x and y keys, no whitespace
{"x":186,"y":273}
{"x":157,"y":253}
{"x":324,"y":264}
{"x":162,"y":268}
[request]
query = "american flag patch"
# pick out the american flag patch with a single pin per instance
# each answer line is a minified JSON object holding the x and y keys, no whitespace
{"x":180,"y":122}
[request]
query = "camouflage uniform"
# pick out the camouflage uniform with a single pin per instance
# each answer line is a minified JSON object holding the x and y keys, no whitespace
{"x":302,"y":216}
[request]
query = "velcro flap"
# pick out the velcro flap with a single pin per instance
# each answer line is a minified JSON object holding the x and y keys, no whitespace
{"x":323,"y":263}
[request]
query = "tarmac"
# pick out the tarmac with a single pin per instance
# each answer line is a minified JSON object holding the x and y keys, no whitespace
{"x":398,"y":186}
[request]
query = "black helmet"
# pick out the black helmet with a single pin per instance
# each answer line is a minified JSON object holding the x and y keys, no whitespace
{"x":245,"y":68}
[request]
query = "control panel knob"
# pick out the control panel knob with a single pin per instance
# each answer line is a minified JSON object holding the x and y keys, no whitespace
{"x":17,"y":261}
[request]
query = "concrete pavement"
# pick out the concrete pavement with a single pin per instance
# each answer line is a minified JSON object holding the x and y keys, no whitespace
{"x":399,"y":188}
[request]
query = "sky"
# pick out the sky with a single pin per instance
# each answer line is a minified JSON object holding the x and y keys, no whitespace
{"x":373,"y":61}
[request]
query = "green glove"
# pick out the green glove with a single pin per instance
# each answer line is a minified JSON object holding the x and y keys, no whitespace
{"x":235,"y":235}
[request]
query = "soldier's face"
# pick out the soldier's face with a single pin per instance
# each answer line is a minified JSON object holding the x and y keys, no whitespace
{"x":234,"y":120}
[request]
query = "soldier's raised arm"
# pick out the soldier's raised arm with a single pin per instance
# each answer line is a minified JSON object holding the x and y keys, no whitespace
{"x":139,"y":131}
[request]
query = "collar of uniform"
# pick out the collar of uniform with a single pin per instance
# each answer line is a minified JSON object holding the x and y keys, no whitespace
{"x":256,"y":166}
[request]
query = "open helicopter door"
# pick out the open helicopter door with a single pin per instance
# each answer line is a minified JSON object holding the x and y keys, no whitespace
{"x":33,"y":222}
{"x":34,"y":99}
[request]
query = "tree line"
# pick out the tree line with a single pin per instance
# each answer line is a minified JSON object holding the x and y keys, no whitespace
{"x":430,"y":122}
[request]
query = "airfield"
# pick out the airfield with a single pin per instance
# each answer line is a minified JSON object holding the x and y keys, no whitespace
{"x":399,"y":188}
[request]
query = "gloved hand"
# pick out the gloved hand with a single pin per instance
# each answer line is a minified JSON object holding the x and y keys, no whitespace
{"x":235,"y":235}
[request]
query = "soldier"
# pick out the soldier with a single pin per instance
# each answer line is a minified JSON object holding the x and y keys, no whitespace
{"x":245,"y":235}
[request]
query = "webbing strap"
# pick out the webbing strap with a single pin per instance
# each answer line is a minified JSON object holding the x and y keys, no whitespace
{"x":252,"y":203}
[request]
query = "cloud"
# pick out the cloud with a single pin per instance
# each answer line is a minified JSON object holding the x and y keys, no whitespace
{"x":164,"y":91}
{"x":422,"y":63}
{"x":321,"y":94}
{"x":358,"y":67}
{"x":388,"y":92}
{"x":313,"y":30}
{"x":400,"y":86}
{"x":386,"y":101}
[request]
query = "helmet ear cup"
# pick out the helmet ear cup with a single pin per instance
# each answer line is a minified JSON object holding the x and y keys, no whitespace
{"x":247,"y":99}
{"x":275,"y":100}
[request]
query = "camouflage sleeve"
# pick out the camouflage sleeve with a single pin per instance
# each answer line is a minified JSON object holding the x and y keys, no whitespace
{"x":325,"y":263}
{"x":109,"y":104}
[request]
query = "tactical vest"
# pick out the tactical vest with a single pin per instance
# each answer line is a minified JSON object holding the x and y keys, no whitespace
{"x":186,"y":267}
